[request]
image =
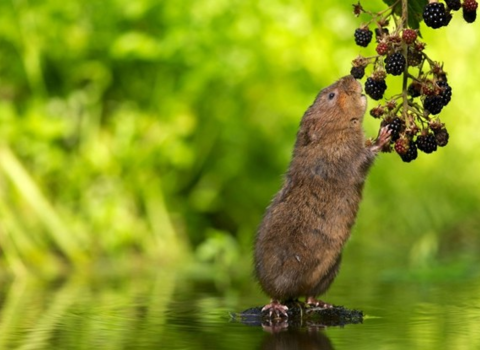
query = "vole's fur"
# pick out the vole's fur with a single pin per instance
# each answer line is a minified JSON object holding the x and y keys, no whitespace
{"x":299,"y":242}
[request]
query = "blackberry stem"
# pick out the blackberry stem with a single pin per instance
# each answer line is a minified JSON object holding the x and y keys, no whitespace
{"x":405,"y":72}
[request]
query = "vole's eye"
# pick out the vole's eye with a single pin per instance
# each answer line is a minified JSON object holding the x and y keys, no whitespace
{"x":331,"y":95}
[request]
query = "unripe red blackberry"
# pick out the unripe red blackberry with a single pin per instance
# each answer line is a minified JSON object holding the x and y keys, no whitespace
{"x":363,"y":36}
{"x":409,"y":36}
{"x":428,"y":89}
{"x":435,"y":15}
{"x":358,"y":72}
{"x":470,"y":5}
{"x":395,"y":63}
{"x":453,"y":4}
{"x":382,"y":48}
{"x":375,"y":88}
{"x":411,"y":153}
{"x":433,"y":104}
{"x":401,"y":145}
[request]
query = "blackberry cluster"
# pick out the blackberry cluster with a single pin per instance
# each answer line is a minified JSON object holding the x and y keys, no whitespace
{"x":412,"y":116}
{"x":436,"y":15}
{"x":375,"y":88}
{"x":363,"y":36}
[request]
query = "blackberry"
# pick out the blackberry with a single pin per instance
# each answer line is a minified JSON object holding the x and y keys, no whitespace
{"x":414,"y":90}
{"x":382,"y":49}
{"x":411,"y":153}
{"x":446,"y":93}
{"x":358,"y":72}
{"x":414,"y":57}
{"x":395,"y":63}
{"x":433,"y":104}
{"x":409,"y":36}
{"x":470,"y":5}
{"x":401,"y":146}
{"x":435,"y":15}
{"x":469,"y":16}
{"x":453,"y":4}
{"x":441,"y":136}
{"x":363,"y":36}
{"x":396,"y":126}
{"x":375,"y":88}
{"x":427,"y":143}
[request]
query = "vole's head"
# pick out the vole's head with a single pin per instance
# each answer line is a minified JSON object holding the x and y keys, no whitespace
{"x":340,"y":106}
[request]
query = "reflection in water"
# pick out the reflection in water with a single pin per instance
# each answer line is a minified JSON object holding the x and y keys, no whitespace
{"x":293,"y":339}
{"x":164,"y":311}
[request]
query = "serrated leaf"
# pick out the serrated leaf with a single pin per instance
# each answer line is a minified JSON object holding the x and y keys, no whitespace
{"x":415,"y":11}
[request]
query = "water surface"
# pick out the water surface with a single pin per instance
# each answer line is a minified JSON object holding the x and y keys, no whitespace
{"x":175,"y":310}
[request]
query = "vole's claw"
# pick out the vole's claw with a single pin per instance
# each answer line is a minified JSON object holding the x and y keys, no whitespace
{"x":318,"y":303}
{"x":382,"y":140}
{"x":276,"y":309}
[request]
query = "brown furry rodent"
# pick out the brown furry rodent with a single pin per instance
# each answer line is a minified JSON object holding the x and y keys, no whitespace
{"x":299,"y":242}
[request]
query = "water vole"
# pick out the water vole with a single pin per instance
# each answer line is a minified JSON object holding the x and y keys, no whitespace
{"x":299,"y":242}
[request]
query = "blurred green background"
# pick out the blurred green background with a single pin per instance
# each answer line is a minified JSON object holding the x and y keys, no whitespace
{"x":146,"y":133}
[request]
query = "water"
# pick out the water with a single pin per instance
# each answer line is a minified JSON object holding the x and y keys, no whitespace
{"x":173,"y":310}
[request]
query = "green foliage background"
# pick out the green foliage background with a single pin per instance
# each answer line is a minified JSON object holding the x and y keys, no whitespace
{"x":136,"y":131}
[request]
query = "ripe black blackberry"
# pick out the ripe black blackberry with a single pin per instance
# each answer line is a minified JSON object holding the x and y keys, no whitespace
{"x":396,"y":126}
{"x":427,"y":143}
{"x":395,"y":63}
{"x":441,"y":136}
{"x":411,"y":153}
{"x":358,"y":72}
{"x":375,"y":88}
{"x":363,"y":36}
{"x":446,"y":93}
{"x":453,"y":4}
{"x":435,"y":15}
{"x":433,"y":104}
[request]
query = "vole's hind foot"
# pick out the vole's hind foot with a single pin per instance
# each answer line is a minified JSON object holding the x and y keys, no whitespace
{"x":318,"y":303}
{"x":382,"y":140}
{"x":276,"y":309}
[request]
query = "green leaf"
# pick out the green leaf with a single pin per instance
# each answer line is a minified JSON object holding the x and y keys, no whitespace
{"x":415,"y":11}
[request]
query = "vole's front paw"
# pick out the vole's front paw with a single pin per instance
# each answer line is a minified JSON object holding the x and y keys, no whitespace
{"x":382,"y":140}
